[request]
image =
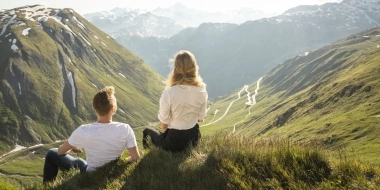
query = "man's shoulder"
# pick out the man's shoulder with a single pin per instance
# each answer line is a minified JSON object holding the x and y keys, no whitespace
{"x":120,"y":125}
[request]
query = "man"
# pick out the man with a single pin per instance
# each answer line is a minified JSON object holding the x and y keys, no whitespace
{"x":103,"y":141}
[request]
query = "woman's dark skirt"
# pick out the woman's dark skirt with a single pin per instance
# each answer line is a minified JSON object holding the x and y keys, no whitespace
{"x":173,"y":140}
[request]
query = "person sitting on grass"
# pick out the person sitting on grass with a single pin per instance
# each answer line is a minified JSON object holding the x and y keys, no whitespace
{"x":103,"y":141}
{"x":182,"y":105}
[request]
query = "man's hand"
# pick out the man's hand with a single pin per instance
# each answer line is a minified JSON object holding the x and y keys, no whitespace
{"x":135,"y":154}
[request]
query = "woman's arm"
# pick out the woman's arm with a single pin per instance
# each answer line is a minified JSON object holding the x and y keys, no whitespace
{"x":163,"y":126}
{"x":203,"y":110}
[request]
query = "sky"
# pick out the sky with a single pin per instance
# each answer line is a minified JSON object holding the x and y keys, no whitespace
{"x":83,"y":7}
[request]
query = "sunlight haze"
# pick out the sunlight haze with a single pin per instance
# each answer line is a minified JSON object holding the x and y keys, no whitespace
{"x":270,"y":6}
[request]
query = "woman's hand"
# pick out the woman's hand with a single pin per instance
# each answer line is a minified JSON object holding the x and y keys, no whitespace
{"x":163,"y":127}
{"x":77,"y":150}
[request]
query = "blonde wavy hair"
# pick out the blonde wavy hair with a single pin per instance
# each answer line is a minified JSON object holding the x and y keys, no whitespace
{"x":185,"y":71}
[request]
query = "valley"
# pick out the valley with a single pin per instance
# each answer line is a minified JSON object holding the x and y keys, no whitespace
{"x":232,"y":54}
{"x":294,"y":99}
{"x":329,"y":97}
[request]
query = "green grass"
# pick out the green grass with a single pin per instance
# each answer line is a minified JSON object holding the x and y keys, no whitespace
{"x":228,"y":162}
{"x":330,"y":98}
{"x":5,"y":185}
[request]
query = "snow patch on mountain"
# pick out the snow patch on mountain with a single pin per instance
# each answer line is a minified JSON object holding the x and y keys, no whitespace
{"x":79,"y":23}
{"x":14,"y":47}
{"x":84,"y":39}
{"x":42,"y":19}
{"x":11,"y":21}
{"x":71,"y":81}
{"x":122,"y":111}
{"x":25,"y":32}
{"x":19,"y":88}
{"x":122,"y":75}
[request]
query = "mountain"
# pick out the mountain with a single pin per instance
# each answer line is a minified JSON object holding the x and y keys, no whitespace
{"x":190,"y":17}
{"x":329,"y":97}
{"x":163,"y":22}
{"x":52,"y":62}
{"x":232,"y":55}
{"x":133,"y":22}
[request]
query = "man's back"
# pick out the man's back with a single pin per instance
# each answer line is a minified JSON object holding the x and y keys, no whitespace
{"x":102,"y":142}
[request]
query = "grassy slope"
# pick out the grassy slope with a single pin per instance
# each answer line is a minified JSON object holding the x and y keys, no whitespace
{"x":44,"y":112}
{"x":227,"y":162}
{"x":330,"y":97}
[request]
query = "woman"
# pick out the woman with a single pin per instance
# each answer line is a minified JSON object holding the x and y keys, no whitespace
{"x":182,"y":105}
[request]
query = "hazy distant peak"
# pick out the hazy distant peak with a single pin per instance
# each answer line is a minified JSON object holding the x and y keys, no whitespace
{"x":363,"y":1}
{"x":302,"y":9}
{"x":179,"y":6}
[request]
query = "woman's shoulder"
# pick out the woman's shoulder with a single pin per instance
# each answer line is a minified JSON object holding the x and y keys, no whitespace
{"x":186,"y":87}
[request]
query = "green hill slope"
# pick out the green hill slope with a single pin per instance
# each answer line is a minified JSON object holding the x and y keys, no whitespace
{"x":52,"y":62}
{"x":331,"y":97}
{"x":219,"y":162}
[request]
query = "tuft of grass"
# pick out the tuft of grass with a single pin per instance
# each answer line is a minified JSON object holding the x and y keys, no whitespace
{"x":4,"y":185}
{"x":227,"y":162}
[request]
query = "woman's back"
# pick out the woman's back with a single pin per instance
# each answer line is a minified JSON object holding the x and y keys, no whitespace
{"x":183,"y":106}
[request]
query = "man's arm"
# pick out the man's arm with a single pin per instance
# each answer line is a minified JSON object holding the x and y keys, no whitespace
{"x":135,"y":154}
{"x":66,"y":147}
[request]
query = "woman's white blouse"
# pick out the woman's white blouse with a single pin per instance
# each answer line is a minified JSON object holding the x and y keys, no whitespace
{"x":181,"y":106}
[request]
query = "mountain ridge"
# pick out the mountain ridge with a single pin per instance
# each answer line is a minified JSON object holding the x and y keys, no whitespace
{"x":249,"y":50}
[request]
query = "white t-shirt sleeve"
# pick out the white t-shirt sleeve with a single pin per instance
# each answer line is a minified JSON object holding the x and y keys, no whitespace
{"x":76,"y":138}
{"x":131,"y":138}
{"x":164,"y":112}
{"x":203,"y":111}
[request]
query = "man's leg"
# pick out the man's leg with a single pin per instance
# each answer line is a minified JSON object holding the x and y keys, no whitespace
{"x":53,"y":162}
{"x":155,"y":135}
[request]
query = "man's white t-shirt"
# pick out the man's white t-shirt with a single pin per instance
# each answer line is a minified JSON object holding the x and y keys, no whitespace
{"x":181,"y":106}
{"x":102,"y":142}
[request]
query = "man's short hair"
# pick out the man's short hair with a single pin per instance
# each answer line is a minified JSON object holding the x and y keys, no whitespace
{"x":104,"y":100}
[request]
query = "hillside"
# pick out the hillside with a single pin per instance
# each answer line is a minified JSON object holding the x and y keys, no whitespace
{"x":329,"y":97}
{"x":230,"y":55}
{"x":52,"y":62}
{"x":219,"y":162}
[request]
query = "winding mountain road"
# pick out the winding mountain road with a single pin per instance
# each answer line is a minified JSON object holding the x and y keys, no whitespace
{"x":228,"y":108}
{"x":251,"y":101}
